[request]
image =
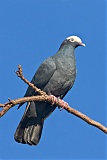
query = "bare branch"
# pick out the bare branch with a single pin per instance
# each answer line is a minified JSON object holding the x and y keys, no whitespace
{"x":20,"y":75}
{"x":1,"y":105}
{"x":44,"y":97}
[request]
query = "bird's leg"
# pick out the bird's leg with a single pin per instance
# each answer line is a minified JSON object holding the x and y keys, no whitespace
{"x":54,"y":99}
{"x":63,"y":104}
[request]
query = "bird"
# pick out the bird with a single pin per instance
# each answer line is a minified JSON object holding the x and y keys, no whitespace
{"x":55,"y":76}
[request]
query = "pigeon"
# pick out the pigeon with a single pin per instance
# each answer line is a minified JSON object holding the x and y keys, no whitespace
{"x":55,"y":76}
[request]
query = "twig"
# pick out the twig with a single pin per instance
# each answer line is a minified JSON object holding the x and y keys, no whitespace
{"x":1,"y":105}
{"x":44,"y":97}
{"x":20,"y":75}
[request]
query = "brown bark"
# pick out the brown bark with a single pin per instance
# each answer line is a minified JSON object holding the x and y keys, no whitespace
{"x":44,"y":97}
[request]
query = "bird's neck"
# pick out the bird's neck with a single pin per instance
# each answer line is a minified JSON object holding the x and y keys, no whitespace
{"x":66,"y":50}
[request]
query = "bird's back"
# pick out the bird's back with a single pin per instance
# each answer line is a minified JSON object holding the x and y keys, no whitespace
{"x":64,"y":75}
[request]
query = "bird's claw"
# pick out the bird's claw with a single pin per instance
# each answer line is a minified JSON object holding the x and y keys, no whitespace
{"x":63,"y":105}
{"x":54,"y":99}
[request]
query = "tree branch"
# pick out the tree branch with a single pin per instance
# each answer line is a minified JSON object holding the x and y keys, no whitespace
{"x":44,"y":97}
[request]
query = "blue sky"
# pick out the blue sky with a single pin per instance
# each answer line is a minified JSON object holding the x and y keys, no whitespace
{"x":31,"y":31}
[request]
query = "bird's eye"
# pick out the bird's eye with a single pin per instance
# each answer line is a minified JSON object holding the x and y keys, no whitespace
{"x":72,"y":39}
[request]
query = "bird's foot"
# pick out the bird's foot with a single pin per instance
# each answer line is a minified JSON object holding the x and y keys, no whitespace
{"x":63,"y":105}
{"x":54,"y":99}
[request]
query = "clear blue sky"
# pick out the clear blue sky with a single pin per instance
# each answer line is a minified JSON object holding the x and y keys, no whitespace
{"x":32,"y":30}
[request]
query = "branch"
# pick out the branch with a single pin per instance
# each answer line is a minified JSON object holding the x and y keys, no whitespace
{"x":44,"y":97}
{"x":20,"y":75}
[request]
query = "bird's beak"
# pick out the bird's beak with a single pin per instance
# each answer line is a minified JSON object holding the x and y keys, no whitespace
{"x":81,"y":44}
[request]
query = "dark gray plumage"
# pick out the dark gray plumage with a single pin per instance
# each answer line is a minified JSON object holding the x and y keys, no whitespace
{"x":55,"y":76}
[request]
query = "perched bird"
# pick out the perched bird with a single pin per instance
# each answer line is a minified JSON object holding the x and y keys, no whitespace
{"x":55,"y":76}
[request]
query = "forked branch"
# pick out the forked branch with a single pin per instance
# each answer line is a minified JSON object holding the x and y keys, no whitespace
{"x":44,"y":97}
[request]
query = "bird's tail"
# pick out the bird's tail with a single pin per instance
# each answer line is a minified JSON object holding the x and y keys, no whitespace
{"x":30,"y":127}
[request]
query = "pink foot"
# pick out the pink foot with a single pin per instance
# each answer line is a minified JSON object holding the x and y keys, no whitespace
{"x":54,"y":99}
{"x":63,"y":104}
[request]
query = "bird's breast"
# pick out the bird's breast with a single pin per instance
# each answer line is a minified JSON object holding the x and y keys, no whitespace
{"x":63,"y":77}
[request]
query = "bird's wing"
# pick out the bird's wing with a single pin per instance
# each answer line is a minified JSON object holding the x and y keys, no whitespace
{"x":43,"y":75}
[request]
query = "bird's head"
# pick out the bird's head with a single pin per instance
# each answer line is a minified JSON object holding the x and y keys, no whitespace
{"x":75,"y":41}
